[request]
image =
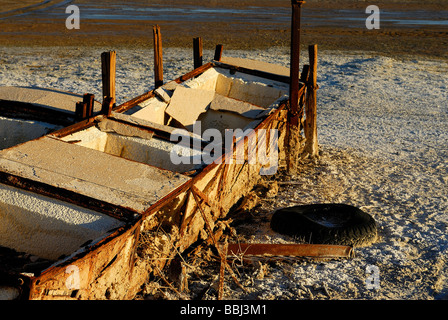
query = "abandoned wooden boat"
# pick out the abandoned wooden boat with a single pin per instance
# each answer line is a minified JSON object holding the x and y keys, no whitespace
{"x":84,"y":196}
{"x":97,"y":202}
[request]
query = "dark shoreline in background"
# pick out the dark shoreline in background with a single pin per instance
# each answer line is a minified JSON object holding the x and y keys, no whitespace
{"x":246,"y":25}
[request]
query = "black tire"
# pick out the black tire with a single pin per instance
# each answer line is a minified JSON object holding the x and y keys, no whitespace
{"x":338,"y":224}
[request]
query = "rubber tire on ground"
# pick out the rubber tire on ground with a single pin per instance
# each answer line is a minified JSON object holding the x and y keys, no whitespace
{"x":338,"y":224}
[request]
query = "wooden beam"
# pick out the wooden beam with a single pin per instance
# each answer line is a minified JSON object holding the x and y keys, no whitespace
{"x":254,"y":72}
{"x":218,"y":52}
{"x":197,"y":52}
{"x":158,"y":56}
{"x":59,"y":193}
{"x":108,"y":67}
{"x":269,"y":250}
{"x":30,"y":111}
{"x":311,"y":145}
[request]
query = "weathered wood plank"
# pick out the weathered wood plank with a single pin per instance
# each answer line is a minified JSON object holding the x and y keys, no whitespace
{"x":218,"y":52}
{"x":197,"y":52}
{"x":108,"y":71}
{"x":158,"y":56}
{"x":311,"y":144}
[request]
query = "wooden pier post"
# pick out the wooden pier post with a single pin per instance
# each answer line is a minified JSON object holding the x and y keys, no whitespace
{"x":158,"y":57}
{"x":89,"y":100}
{"x":311,"y":145}
{"x":293,"y":114}
{"x":197,"y":52}
{"x":81,"y":111}
{"x":305,"y":73}
{"x":218,"y":52}
{"x":107,"y":106}
{"x":108,"y":70}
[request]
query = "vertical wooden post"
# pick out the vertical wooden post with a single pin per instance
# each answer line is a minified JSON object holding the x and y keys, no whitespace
{"x":158,"y":57}
{"x":295,"y":61}
{"x":304,"y":79}
{"x":108,"y":67}
{"x":81,"y":111}
{"x":107,"y":106}
{"x":311,"y":145}
{"x":89,"y":100}
{"x":293,"y":114}
{"x":218,"y":52}
{"x":197,"y":52}
{"x":305,"y":73}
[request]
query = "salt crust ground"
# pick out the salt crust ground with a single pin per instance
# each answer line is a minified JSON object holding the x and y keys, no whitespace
{"x":382,"y":125}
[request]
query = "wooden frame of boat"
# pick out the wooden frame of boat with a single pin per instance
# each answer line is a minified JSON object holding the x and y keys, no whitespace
{"x":109,"y":171}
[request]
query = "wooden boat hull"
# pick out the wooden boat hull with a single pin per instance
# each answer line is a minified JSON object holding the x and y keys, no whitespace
{"x":151,"y":233}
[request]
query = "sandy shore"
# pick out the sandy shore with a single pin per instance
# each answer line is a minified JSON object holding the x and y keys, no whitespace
{"x":239,"y":32}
